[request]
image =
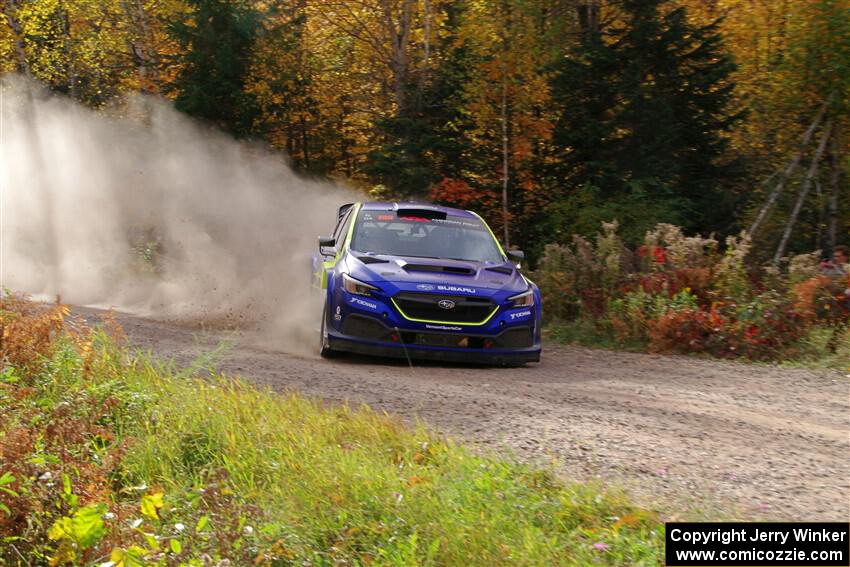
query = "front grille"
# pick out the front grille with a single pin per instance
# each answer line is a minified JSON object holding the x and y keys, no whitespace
{"x":426,"y":306}
{"x":443,"y":340}
{"x":522,"y":337}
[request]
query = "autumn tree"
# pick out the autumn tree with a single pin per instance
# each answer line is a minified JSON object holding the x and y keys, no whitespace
{"x":428,"y":140}
{"x":800,"y":204}
{"x":282,"y":79}
{"x":77,"y":47}
{"x":506,"y":99}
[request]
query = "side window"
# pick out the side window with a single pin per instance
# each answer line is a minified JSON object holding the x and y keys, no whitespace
{"x":342,"y":228}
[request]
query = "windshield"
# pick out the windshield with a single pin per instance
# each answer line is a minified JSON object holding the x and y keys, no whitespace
{"x":453,"y":238}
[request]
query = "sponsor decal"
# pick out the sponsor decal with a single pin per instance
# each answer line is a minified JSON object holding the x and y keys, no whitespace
{"x":455,"y":222}
{"x":520,"y":315}
{"x":444,"y":327}
{"x":456,"y":289}
{"x":425,"y":287}
{"x":446,"y":304}
{"x":337,"y":315}
{"x":362,"y":303}
{"x":385,"y":217}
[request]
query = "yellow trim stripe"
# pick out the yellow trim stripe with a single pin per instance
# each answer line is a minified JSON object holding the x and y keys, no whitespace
{"x":403,"y":314}
{"x":505,"y":256}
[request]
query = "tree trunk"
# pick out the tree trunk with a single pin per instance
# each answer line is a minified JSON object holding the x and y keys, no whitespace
{"x":399,"y":36}
{"x":68,"y":47}
{"x":588,"y":17}
{"x":832,"y":207}
{"x":305,"y":150}
{"x":804,"y":191}
{"x":791,"y":168}
{"x":143,"y":47}
{"x":426,"y":52}
{"x":10,"y":11}
{"x":505,"y":157}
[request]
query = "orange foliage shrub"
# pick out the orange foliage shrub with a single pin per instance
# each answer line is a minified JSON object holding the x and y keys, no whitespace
{"x":688,"y":330}
{"x":822,"y":298}
{"x":27,"y":332}
{"x":56,"y":439}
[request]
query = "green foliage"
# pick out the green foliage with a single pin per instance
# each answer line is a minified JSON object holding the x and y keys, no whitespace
{"x":6,"y":479}
{"x":82,"y":529}
{"x":645,"y":108}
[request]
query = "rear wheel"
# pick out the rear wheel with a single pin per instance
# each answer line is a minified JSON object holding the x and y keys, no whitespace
{"x":325,"y":351}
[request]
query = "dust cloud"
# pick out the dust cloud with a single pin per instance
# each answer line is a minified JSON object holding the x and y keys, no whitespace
{"x":142,"y":209}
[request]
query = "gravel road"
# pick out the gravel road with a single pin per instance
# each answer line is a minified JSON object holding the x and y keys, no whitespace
{"x":687,"y":436}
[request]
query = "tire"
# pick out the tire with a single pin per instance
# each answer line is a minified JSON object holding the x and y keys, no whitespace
{"x":325,"y":351}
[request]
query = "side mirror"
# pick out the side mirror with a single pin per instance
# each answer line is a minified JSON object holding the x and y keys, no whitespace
{"x":326,"y":246}
{"x":516,"y":256}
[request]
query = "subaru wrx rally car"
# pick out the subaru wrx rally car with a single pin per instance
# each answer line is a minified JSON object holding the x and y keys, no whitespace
{"x":424,"y":281}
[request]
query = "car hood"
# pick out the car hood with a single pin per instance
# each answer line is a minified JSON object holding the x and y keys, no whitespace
{"x":447,"y":273}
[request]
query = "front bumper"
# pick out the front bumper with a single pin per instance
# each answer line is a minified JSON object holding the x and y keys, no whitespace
{"x":475,"y":356}
{"x":368,"y":335}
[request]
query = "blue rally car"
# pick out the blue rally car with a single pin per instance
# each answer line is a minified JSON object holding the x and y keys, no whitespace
{"x":422,"y":281}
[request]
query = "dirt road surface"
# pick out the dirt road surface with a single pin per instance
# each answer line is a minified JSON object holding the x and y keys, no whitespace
{"x":688,"y":436}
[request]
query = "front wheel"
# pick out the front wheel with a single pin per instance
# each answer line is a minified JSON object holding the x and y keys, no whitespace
{"x":325,"y":351}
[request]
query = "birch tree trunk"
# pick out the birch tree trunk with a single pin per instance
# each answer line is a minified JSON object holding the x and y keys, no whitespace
{"x":791,"y":168}
{"x":505,"y":158}
{"x":804,"y":191}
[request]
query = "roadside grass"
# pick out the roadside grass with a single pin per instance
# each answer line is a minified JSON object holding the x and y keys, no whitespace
{"x":117,"y":458}
{"x":584,"y":332}
{"x":819,"y":348}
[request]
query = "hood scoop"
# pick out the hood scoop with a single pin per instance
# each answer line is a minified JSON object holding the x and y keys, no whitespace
{"x":372,"y":260}
{"x":501,"y":270}
{"x":460,"y":270}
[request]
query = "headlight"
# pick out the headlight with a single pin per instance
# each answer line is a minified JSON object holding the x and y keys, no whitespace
{"x":357,"y":287}
{"x":525,"y":299}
